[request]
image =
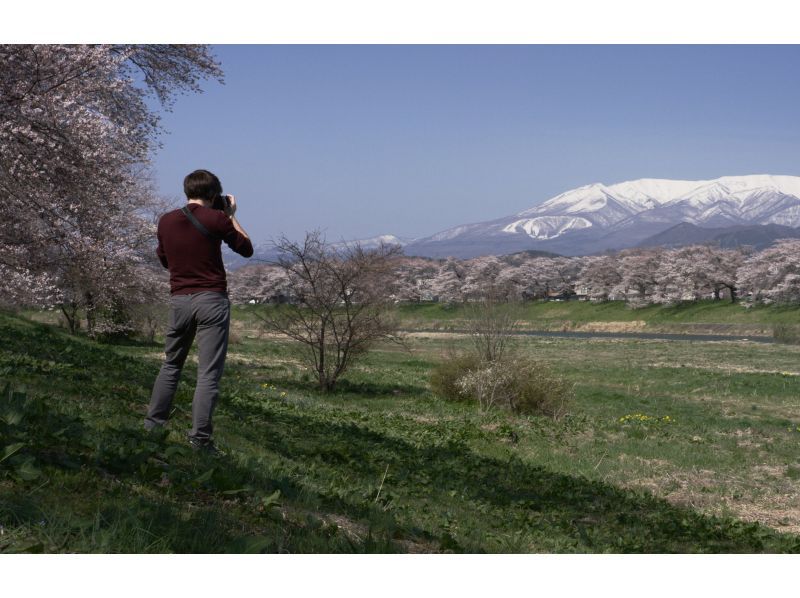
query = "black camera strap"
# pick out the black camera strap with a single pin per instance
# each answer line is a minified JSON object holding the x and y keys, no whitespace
{"x":197,"y":224}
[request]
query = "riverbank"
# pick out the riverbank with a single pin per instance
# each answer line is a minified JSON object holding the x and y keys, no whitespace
{"x":715,"y":318}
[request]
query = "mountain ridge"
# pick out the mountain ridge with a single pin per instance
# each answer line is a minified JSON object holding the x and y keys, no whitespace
{"x":599,"y":217}
{"x":758,"y":236}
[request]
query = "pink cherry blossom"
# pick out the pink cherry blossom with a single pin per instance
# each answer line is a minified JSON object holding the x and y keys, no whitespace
{"x":76,"y":137}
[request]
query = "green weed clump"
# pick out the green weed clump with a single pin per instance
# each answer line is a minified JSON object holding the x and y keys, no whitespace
{"x":15,"y":462}
{"x":538,"y":390}
{"x":446,"y":374}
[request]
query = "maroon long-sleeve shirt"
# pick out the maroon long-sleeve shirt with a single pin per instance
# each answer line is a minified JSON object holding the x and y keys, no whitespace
{"x":195,"y":261}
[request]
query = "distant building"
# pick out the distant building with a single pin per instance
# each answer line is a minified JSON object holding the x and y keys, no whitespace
{"x":559,"y":295}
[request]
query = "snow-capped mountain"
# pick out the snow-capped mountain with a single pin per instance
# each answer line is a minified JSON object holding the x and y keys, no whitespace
{"x":374,"y":242}
{"x":598,"y":217}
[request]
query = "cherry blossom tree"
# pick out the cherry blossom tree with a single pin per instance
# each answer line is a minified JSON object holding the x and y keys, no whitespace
{"x":696,"y":272}
{"x":638,"y":281}
{"x":680,"y":276}
{"x":723,"y":268}
{"x":415,"y":279}
{"x":481,"y":277}
{"x":449,"y":282}
{"x":563,"y":274}
{"x":535,"y":277}
{"x":511,"y":282}
{"x":76,"y":133}
{"x":259,"y":283}
{"x":773,"y":274}
{"x":599,"y":276}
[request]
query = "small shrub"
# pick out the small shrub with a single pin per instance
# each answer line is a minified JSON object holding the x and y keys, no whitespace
{"x":489,"y":385}
{"x":445,"y":375}
{"x":521,"y":384}
{"x":536,"y":389}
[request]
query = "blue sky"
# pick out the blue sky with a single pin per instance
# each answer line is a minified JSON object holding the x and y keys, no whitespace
{"x":410,"y":140}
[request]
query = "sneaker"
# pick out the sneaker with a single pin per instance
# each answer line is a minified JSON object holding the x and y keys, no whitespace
{"x":205,"y":446}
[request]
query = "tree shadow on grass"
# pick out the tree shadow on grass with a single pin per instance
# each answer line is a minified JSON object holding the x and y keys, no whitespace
{"x":95,"y":439}
{"x":74,"y":357}
{"x":124,"y":341}
{"x":348,"y":386}
{"x":557,"y":512}
{"x":468,"y":494}
{"x":137,"y":524}
{"x":344,"y":386}
{"x":95,"y":488}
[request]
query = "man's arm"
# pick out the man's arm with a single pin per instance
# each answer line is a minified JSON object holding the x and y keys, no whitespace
{"x":237,"y":239}
{"x":162,"y":255}
{"x":239,"y":228}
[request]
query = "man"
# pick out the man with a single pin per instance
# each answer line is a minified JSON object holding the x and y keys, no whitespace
{"x":189,"y":242}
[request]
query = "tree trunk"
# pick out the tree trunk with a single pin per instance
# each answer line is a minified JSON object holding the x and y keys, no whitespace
{"x":323,"y":379}
{"x":90,"y":315}
{"x":71,"y":316}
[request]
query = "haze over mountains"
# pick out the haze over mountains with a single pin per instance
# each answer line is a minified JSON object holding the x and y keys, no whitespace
{"x":731,"y":210}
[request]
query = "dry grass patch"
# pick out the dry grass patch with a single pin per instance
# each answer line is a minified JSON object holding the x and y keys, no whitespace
{"x":725,"y":368}
{"x":436,"y":335}
{"x":250,"y":360}
{"x":632,"y":326}
{"x":773,"y":502}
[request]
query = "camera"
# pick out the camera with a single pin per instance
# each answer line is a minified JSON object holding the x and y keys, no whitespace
{"x":221,"y":202}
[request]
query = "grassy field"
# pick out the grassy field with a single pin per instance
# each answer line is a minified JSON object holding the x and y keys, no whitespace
{"x":703,"y":317}
{"x":669,"y":447}
{"x":697,"y":317}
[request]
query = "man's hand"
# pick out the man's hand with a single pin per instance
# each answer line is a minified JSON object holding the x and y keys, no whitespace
{"x":230,"y":210}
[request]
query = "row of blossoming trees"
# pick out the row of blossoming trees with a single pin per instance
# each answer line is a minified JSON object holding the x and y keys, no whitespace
{"x":638,"y":276}
{"x":77,"y":131}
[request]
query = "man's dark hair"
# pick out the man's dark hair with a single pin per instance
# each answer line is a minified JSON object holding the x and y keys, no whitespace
{"x":202,"y":184}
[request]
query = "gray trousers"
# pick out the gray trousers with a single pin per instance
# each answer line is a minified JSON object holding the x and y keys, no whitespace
{"x":206,"y":315}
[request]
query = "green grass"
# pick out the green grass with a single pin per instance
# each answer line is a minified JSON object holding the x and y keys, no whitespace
{"x":384,"y":466}
{"x":696,"y":316}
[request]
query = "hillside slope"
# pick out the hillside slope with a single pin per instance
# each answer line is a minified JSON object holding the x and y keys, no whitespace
{"x":382,"y":466}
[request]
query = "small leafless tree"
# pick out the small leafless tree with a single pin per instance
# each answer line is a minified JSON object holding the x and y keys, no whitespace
{"x":491,"y":323}
{"x":339,"y":302}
